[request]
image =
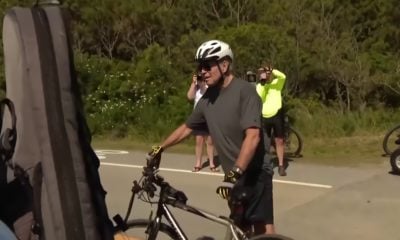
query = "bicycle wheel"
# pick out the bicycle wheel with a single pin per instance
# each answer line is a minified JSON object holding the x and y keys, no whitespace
{"x":270,"y":237}
{"x":395,"y":161}
{"x":293,"y":143}
{"x":391,"y":136}
{"x":138,"y":228}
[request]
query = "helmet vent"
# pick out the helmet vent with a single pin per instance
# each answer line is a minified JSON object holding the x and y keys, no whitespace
{"x":205,"y":53}
{"x":215,"y":50}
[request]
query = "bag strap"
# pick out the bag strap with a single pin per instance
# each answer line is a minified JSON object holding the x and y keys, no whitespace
{"x":37,"y":180}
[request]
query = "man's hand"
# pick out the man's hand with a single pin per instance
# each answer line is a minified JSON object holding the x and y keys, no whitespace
{"x":154,"y":157}
{"x":230,"y":179}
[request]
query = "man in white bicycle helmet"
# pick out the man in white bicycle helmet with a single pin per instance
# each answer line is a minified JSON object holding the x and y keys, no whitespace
{"x":215,"y":53}
{"x":230,"y":110}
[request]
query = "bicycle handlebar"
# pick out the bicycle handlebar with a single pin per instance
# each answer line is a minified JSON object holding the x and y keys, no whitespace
{"x":152,"y":179}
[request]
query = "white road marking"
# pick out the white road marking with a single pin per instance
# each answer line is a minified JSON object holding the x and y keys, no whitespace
{"x":105,"y":151}
{"x":101,"y":154}
{"x":303,"y":183}
{"x":217,"y":174}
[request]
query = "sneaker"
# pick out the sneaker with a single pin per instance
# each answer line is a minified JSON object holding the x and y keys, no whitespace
{"x":281,"y":171}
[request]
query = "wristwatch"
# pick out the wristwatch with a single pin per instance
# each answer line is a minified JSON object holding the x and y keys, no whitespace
{"x":237,"y":169}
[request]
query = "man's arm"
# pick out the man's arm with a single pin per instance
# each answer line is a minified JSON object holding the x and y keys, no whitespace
{"x":154,"y":156}
{"x":176,"y":136}
{"x":248,"y":148}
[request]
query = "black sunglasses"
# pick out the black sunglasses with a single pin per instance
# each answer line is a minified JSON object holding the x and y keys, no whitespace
{"x":206,"y":65}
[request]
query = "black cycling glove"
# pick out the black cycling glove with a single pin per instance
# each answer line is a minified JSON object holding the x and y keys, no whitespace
{"x":230,"y":179}
{"x":154,"y":157}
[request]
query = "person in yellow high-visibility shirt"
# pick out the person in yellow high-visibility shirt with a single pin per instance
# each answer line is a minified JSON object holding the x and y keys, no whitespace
{"x":270,"y":89}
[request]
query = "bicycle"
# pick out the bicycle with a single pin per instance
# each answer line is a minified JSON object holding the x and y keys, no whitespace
{"x":391,"y":140}
{"x":293,"y":142}
{"x":146,"y":188}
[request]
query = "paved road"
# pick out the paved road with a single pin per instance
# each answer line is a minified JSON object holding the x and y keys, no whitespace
{"x":311,"y":203}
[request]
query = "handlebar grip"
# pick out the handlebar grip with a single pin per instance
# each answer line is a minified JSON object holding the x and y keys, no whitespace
{"x":153,"y":158}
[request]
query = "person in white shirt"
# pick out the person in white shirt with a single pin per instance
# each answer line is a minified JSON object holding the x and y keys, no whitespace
{"x":196,"y":90}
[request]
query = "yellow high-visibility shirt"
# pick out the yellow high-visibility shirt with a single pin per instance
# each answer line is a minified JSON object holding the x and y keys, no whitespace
{"x":271,"y":94}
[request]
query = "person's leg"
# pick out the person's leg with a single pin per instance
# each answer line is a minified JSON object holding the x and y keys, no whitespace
{"x":210,"y":153}
{"x":279,"y":141}
{"x":260,"y":208}
{"x":198,"y":152}
{"x":267,"y":226}
{"x":267,"y":132}
{"x":262,"y":228}
{"x":269,"y":203}
{"x":280,"y":149}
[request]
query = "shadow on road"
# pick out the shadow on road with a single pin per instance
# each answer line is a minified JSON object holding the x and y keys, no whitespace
{"x":394,"y":173}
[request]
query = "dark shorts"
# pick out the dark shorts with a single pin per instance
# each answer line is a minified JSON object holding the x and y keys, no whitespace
{"x":259,"y":206}
{"x":275,"y":124}
{"x":200,"y":133}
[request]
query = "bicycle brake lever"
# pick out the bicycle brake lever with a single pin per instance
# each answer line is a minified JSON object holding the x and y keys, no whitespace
{"x":150,"y":189}
{"x":136,"y":187}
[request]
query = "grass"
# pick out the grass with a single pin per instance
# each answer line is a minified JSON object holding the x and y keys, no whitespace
{"x":344,"y":151}
{"x":136,"y":144}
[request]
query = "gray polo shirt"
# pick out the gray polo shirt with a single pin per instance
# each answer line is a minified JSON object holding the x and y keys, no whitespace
{"x":228,"y":113}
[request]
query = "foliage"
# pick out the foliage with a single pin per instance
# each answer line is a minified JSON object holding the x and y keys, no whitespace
{"x":135,"y":59}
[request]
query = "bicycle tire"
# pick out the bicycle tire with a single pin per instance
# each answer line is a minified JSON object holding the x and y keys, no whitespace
{"x":395,"y":161}
{"x":270,"y":237}
{"x":295,"y":139}
{"x":388,"y":145}
{"x":144,"y":223}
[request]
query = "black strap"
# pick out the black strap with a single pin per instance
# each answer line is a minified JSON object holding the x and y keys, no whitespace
{"x":37,"y":200}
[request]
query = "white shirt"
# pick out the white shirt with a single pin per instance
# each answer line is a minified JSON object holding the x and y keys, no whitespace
{"x":199,"y":93}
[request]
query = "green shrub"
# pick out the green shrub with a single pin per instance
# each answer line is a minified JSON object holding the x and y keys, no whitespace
{"x":313,"y":119}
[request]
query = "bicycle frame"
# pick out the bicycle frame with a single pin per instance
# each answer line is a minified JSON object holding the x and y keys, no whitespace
{"x":233,"y":231}
{"x":163,"y":210}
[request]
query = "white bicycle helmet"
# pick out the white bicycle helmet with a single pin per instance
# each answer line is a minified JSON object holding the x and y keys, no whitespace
{"x":213,"y":50}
